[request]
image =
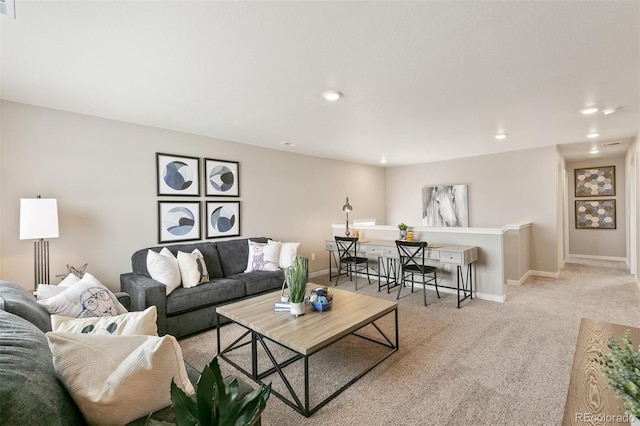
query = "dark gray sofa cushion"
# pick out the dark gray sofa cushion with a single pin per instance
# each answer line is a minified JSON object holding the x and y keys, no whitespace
{"x":234,"y":254}
{"x":214,"y":292}
{"x":209,"y":252}
{"x":18,"y":301}
{"x":260,"y":281}
{"x":30,"y":392}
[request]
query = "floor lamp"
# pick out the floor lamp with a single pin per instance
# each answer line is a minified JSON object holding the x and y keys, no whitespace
{"x":39,"y":220}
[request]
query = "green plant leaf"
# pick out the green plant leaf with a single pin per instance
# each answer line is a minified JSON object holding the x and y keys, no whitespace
{"x":206,"y":396}
{"x":184,"y":408}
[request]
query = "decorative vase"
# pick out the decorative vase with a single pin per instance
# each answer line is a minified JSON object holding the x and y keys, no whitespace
{"x":297,"y":309}
{"x":403,"y":234}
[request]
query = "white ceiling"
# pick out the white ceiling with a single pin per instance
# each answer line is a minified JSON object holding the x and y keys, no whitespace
{"x":422,"y":81}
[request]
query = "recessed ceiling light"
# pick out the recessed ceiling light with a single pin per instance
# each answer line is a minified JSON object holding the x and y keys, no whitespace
{"x":609,"y":111}
{"x":589,"y":110}
{"x":332,"y":95}
{"x":285,"y":143}
{"x":501,"y":136}
{"x":594,"y":151}
{"x":383,"y":160}
{"x":593,"y":135}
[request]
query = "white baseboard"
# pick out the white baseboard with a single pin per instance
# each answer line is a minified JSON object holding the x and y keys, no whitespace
{"x":531,"y":273}
{"x":318,"y":273}
{"x":588,"y":256}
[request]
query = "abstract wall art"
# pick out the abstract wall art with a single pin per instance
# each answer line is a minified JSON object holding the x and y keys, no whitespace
{"x":178,"y":221}
{"x":445,"y":206}
{"x":222,"y":178}
{"x":178,"y":175}
{"x":596,"y":181}
{"x":223,"y":219}
{"x":595,"y":214}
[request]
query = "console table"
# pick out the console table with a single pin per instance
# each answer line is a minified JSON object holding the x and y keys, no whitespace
{"x":386,"y":251}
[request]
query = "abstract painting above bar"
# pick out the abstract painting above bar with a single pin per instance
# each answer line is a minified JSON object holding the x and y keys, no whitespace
{"x":446,"y":206}
{"x":596,"y":214}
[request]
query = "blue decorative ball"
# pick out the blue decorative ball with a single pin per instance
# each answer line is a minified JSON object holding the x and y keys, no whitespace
{"x":320,"y":299}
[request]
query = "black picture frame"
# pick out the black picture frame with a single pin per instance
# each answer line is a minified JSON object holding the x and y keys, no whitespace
{"x":179,"y":221}
{"x":222,"y":219}
{"x":221,"y":178}
{"x":177,"y":175}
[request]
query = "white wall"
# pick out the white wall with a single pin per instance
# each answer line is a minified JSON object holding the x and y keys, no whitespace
{"x":599,"y":242}
{"x":103,"y":174}
{"x":508,"y":188}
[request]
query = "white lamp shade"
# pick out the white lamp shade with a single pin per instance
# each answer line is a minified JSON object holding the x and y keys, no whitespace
{"x":38,"y":218}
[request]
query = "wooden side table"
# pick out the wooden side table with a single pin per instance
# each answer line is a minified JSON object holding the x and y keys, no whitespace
{"x":589,"y":400}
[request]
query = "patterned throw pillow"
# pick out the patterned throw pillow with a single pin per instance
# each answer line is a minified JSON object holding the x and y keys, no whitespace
{"x":128,"y":324}
{"x":193,"y":270}
{"x":263,"y":257}
{"x":87,"y":298}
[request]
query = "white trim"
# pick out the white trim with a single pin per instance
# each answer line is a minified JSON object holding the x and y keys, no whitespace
{"x":521,"y":280}
{"x":491,"y":297}
{"x":318,"y":273}
{"x":451,"y":230}
{"x":544,"y":274}
{"x":516,"y":227}
{"x":588,"y":256}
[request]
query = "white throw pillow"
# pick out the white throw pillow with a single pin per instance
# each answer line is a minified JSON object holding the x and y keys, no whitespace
{"x":70,"y":280}
{"x":192,"y":268}
{"x":116,"y":379}
{"x":128,"y":324}
{"x":163,"y":267}
{"x":87,"y":298}
{"x":263,"y":257}
{"x":288,"y":252}
{"x":46,"y":291}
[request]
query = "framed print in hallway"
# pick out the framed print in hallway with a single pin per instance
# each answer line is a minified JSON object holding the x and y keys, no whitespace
{"x":595,"y":214}
{"x":178,"y":175}
{"x":178,"y":221}
{"x":596,"y":181}
{"x":223,"y":219}
{"x":222,"y":178}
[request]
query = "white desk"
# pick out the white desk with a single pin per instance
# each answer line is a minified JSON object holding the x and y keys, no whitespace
{"x":386,"y":251}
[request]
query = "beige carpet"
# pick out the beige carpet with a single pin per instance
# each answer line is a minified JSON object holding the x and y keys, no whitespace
{"x":485,"y":364}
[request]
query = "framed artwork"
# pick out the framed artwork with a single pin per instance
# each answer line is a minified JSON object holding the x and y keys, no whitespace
{"x":178,"y":175}
{"x":595,"y":214}
{"x":222,"y":178}
{"x":178,"y":221}
{"x":223,"y":219}
{"x":445,"y":206}
{"x":596,"y":181}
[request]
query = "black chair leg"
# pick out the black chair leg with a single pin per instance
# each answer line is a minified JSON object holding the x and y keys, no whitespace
{"x":400,"y":285}
{"x":424,"y":291}
{"x":435,"y":280}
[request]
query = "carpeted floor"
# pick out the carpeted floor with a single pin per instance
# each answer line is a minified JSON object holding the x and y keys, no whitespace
{"x":485,"y":364}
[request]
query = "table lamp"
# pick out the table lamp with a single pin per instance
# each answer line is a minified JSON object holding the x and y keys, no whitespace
{"x":347,"y":208}
{"x":39,"y":220}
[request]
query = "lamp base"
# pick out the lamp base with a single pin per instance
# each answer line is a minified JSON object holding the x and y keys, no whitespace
{"x":41,"y":262}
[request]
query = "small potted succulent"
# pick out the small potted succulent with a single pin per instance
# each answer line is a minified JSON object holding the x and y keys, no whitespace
{"x":403,"y":230}
{"x":621,"y":367}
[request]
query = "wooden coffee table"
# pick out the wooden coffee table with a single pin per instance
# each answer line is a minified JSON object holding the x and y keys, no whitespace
{"x":304,"y":335}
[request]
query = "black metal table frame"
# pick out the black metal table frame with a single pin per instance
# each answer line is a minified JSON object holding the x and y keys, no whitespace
{"x":297,"y":404}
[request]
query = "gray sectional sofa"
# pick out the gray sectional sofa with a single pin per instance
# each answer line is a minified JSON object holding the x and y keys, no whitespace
{"x":189,"y":310}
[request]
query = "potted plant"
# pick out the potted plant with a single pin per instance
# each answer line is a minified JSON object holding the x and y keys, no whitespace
{"x":215,"y":403}
{"x":403,"y":230}
{"x":621,"y":367}
{"x":296,"y":276}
